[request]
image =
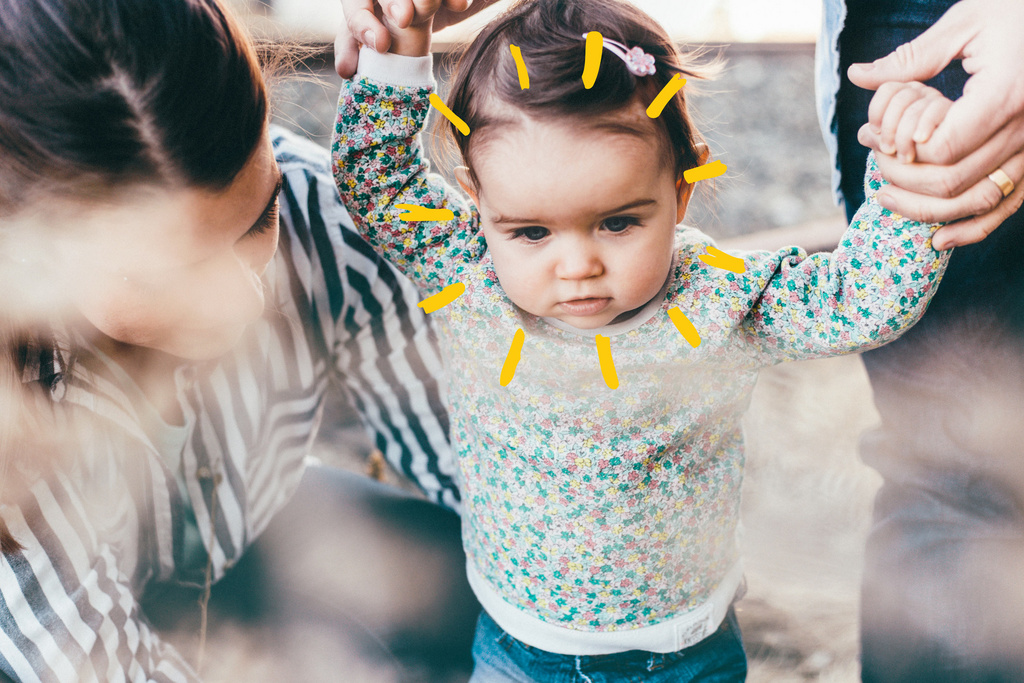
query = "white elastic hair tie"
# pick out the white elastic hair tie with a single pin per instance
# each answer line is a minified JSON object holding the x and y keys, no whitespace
{"x":636,"y":60}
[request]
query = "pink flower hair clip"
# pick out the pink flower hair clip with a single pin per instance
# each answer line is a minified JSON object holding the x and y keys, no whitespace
{"x":638,"y":62}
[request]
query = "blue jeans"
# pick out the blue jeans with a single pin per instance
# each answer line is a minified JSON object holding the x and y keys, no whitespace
{"x":500,"y":658}
{"x":943,"y":587}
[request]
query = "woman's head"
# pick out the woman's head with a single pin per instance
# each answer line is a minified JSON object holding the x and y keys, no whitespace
{"x":135,"y":163}
{"x":579,"y":189}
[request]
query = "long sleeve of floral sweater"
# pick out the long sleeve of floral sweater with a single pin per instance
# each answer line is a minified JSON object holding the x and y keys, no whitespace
{"x":598,"y":510}
{"x":788,"y":304}
{"x":378,"y":165}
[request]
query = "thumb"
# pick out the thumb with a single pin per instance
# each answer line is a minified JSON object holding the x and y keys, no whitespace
{"x":921,"y":58}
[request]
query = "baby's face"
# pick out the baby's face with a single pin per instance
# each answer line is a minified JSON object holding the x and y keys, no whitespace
{"x":579,"y":221}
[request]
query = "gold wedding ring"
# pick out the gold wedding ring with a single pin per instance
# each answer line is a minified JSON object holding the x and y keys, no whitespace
{"x":1002,"y":180}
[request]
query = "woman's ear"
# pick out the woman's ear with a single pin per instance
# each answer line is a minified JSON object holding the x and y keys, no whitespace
{"x":466,"y":183}
{"x":684,"y":190}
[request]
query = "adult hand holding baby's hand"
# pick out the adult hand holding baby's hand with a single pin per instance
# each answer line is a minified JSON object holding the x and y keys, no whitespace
{"x":981,"y":132}
{"x":370,"y":23}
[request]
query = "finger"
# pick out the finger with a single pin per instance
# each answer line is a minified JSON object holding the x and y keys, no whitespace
{"x":346,"y":53}
{"x":984,"y":109}
{"x":893,"y":113}
{"x":979,"y":227}
{"x":399,"y":12}
{"x":981,"y":199}
{"x":868,"y":136}
{"x":930,"y":119}
{"x":880,"y":103}
{"x":449,"y":13}
{"x":921,"y":58}
{"x":366,"y":28}
{"x":906,"y":127}
{"x":948,"y":181}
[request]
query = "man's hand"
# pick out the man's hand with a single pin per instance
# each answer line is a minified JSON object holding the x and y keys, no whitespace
{"x":982,"y":131}
{"x":365,"y":25}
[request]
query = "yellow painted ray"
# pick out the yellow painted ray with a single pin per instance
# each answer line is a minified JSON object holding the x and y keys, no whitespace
{"x":414,"y":212}
{"x":665,"y":96}
{"x":439,"y":105}
{"x":710,"y":170}
{"x":524,"y":76}
{"x":719,"y":259}
{"x":592,"y":58}
{"x":684,"y":326}
{"x":508,"y":370}
{"x":442,"y":298}
{"x":604,"y":356}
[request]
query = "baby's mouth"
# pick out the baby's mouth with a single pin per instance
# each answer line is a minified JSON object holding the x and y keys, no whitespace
{"x":586,"y":306}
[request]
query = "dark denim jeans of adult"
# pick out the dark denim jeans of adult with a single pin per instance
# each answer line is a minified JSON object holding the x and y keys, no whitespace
{"x":943,"y":591}
{"x":500,"y":658}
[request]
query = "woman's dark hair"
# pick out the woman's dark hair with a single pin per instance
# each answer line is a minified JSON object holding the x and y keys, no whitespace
{"x":550,"y":35}
{"x":97,"y":95}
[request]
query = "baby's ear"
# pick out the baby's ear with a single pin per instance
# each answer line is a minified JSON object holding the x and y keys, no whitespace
{"x":702,"y":153}
{"x":466,"y":182}
{"x":684,"y":190}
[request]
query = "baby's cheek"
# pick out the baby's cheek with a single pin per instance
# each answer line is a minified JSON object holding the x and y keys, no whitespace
{"x":523,"y":286}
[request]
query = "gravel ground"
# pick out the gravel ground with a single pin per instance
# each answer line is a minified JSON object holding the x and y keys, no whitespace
{"x":806,"y":497}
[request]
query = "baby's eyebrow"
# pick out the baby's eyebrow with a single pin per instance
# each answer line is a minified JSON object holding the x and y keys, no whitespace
{"x":499,"y":219}
{"x":639,"y":203}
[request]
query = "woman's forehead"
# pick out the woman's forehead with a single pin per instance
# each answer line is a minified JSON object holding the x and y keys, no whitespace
{"x":147,"y":227}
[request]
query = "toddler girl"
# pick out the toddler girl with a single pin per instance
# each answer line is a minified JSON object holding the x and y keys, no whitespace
{"x":599,"y":523}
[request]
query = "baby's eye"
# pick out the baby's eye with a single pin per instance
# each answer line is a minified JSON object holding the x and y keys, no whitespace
{"x":619,"y":223}
{"x":534,"y":233}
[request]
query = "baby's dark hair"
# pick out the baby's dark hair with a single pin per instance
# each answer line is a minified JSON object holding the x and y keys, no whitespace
{"x":550,"y":35}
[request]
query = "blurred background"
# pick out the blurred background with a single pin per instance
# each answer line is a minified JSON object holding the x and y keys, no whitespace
{"x":807,"y":497}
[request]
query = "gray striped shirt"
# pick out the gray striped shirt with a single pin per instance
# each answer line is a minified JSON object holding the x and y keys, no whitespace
{"x":109,"y":518}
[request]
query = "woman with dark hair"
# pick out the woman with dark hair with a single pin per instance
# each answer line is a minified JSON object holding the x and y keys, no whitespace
{"x":181,"y":288}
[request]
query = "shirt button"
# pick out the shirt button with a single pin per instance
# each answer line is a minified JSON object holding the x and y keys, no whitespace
{"x":204,"y":472}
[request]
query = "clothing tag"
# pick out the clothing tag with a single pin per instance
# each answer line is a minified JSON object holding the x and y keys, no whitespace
{"x":696,"y":629}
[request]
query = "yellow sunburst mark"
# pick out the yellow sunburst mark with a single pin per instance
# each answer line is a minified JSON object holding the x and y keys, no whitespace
{"x":684,"y":326}
{"x":524,"y":76}
{"x":592,"y":59}
{"x":604,"y":356}
{"x":414,"y":212}
{"x":716,"y":258}
{"x":508,"y":370}
{"x":442,"y":298}
{"x":709,"y":170}
{"x":674,"y":85}
{"x":438,"y":104}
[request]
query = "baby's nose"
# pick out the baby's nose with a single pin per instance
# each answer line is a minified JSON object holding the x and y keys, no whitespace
{"x":579,"y":262}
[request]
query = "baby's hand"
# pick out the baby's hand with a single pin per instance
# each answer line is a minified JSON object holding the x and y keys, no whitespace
{"x":363,"y":25}
{"x":404,"y":14}
{"x":410,"y":22}
{"x":902,"y":115}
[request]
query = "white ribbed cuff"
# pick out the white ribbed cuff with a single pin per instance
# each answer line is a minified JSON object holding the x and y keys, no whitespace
{"x":413,"y":72}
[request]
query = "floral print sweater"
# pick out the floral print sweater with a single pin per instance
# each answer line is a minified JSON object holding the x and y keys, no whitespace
{"x":599,"y":509}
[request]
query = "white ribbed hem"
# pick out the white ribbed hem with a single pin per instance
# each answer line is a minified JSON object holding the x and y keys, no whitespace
{"x":413,"y":72}
{"x":671,"y":635}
